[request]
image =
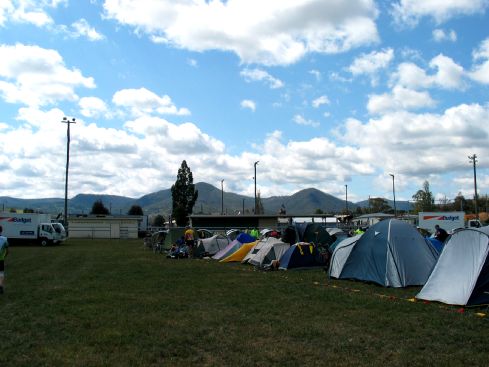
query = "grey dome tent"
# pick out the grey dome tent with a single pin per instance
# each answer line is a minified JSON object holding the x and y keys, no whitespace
{"x":340,"y":255}
{"x":210,"y":246}
{"x":461,"y":275}
{"x":391,"y":253}
{"x":269,"y":250}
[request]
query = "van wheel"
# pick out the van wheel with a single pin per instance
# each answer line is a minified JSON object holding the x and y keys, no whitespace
{"x":44,"y":242}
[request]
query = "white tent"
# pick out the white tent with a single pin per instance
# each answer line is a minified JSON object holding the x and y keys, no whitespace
{"x":270,"y":250}
{"x":210,"y":246}
{"x":259,"y":245}
{"x":340,"y":255}
{"x":461,"y":275}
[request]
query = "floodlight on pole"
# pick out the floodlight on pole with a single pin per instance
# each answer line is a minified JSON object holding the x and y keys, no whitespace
{"x":68,"y":123}
{"x":394,"y":194}
{"x":473,"y":160}
{"x":256,"y":204}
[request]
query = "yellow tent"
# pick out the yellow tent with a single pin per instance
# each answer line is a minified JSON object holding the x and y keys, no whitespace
{"x":240,"y":253}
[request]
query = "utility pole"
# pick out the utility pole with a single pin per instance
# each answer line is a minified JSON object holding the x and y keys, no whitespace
{"x":256,"y":204}
{"x":68,"y":123}
{"x":394,"y":194}
{"x":222,"y":197}
{"x":346,"y":199}
{"x":473,"y":160}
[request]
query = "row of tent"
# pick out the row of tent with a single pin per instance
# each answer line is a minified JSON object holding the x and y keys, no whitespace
{"x":391,"y":253}
{"x":261,"y":253}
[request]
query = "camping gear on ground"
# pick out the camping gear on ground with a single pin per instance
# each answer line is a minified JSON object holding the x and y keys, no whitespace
{"x":341,"y":253}
{"x":228,"y":250}
{"x":301,"y":255}
{"x":461,"y":275}
{"x":391,"y":253}
{"x":210,"y":246}
{"x":239,"y":254}
{"x":266,"y":251}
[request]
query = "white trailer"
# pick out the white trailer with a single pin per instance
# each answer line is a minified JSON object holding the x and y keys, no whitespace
{"x":449,"y":221}
{"x":31,"y":227}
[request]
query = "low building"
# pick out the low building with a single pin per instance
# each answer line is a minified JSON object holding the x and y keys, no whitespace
{"x":97,"y":226}
{"x":368,"y":220}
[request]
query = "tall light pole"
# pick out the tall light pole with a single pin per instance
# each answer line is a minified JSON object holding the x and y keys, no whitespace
{"x":346,"y":199}
{"x":256,"y":204}
{"x":473,"y":160}
{"x":222,"y":197}
{"x":68,"y":123}
{"x":394,"y":194}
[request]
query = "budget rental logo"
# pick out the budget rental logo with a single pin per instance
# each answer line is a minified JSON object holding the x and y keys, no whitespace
{"x":448,"y":218}
{"x":16,"y":220}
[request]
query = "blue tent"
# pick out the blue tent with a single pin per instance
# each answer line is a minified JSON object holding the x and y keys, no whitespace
{"x":301,"y":255}
{"x":437,"y":244}
{"x":245,"y":238}
{"x":391,"y":253}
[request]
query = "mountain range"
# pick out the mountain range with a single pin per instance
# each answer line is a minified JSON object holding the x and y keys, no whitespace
{"x":304,"y":202}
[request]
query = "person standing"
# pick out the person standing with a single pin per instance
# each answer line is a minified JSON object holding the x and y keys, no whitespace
{"x":440,"y":234}
{"x":3,"y":254}
{"x":189,"y":236}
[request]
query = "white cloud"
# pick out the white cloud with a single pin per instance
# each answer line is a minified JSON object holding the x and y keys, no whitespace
{"x":248,"y":103}
{"x":36,"y":76}
{"x":28,"y":11}
{"x":316,"y":73}
{"x":448,"y":75}
{"x":480,"y":71}
{"x":93,"y":107}
{"x":261,"y":75}
{"x":437,"y":143}
{"x":440,"y":35}
{"x":270,"y":33}
{"x":372,"y":62}
{"x":409,"y":12}
{"x":300,"y":120}
{"x":320,"y":101}
{"x":142,"y":101}
{"x":192,"y":62}
{"x":83,"y":29}
{"x":399,"y":99}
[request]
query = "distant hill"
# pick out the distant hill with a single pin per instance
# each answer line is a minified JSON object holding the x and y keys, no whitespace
{"x":304,"y":202}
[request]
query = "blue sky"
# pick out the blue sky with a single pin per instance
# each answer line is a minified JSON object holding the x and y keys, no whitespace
{"x":322,"y":93}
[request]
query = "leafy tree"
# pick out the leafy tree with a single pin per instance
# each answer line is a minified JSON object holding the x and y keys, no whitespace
{"x":318,"y":211}
{"x":424,"y":200}
{"x":98,"y":207}
{"x":183,"y":195}
{"x":379,"y":205}
{"x":135,"y":210}
{"x":159,"y":221}
{"x":28,"y":210}
{"x":459,"y":203}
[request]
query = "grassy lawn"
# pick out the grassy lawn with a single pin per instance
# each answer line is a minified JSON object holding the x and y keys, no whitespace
{"x":113,"y":303}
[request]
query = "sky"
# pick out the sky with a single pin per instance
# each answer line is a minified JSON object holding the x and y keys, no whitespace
{"x":337,"y":95}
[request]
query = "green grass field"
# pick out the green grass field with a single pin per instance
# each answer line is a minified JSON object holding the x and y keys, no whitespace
{"x":114,"y":303}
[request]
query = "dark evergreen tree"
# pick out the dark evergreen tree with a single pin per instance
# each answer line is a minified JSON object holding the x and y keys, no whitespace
{"x":135,"y":210}
{"x":183,"y":195}
{"x":98,"y":207}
